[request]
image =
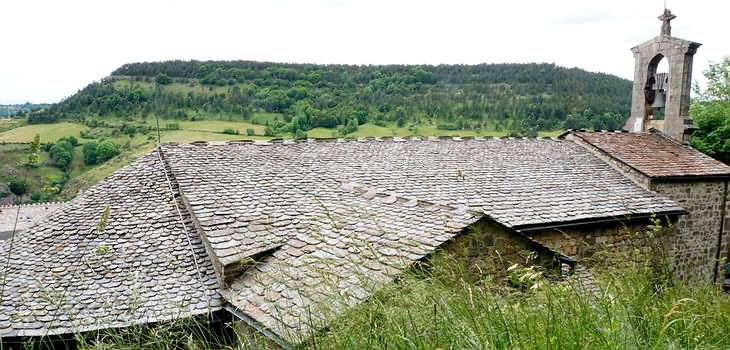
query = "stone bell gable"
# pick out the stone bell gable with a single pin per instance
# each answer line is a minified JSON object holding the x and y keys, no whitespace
{"x":673,"y":89}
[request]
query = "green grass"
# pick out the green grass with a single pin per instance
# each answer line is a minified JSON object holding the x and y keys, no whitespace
{"x":444,"y":310}
{"x":48,"y":132}
{"x":217,"y":126}
{"x":444,"y":307}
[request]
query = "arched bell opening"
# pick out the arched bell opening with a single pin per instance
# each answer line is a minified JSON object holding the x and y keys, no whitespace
{"x":656,"y":87}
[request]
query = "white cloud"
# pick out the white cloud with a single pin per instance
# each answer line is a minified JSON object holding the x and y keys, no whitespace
{"x":49,"y":49}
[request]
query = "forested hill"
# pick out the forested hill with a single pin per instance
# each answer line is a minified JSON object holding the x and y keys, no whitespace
{"x":521,"y":98}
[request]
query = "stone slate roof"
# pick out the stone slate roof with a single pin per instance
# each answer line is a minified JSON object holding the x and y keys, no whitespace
{"x":29,"y":214}
{"x":290,"y":233}
{"x":301,"y":230}
{"x":351,"y":242}
{"x":65,"y":276}
{"x":655,"y":155}
{"x":517,"y":182}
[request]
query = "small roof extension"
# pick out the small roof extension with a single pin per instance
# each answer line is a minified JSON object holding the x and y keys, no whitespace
{"x":655,"y":155}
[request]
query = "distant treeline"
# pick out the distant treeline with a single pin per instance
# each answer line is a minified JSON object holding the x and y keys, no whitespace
{"x":21,"y":109}
{"x":494,"y":96}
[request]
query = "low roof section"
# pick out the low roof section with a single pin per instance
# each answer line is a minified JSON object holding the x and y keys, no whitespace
{"x":654,"y":155}
{"x":80,"y":270}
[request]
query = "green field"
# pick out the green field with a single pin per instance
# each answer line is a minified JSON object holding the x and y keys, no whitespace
{"x":48,"y":132}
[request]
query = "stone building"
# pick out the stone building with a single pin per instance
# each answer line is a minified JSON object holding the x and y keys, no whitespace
{"x":286,"y":235}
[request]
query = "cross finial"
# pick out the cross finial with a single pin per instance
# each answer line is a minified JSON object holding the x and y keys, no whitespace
{"x":667,"y":17}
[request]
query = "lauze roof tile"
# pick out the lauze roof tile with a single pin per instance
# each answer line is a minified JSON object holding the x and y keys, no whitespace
{"x":288,"y":233}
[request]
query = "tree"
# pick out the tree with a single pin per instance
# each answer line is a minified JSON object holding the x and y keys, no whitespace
{"x":163,"y":79}
{"x":106,"y":150}
{"x":61,"y":153}
{"x":89,"y":152}
{"x":711,"y":113}
{"x":35,"y":146}
{"x":18,"y":187}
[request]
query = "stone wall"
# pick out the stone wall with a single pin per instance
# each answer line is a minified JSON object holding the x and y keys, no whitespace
{"x":583,"y":242}
{"x":617,"y":243}
{"x":487,"y":248}
{"x":700,"y":228}
{"x":726,"y":225}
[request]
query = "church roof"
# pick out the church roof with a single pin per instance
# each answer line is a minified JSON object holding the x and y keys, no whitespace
{"x":289,"y":233}
{"x":517,"y":182}
{"x":655,"y":155}
{"x":66,"y":275}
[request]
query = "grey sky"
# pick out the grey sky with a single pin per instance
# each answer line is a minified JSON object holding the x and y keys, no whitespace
{"x":49,"y":49}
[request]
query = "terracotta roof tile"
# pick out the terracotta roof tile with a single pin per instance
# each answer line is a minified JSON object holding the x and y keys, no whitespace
{"x":655,"y":155}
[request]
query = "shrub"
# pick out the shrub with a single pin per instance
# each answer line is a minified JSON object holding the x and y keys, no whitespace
{"x":230,"y":131}
{"x":163,"y":79}
{"x":89,"y":152}
{"x":61,"y":153}
{"x":269,"y":131}
{"x":172,"y":126}
{"x":106,"y":150}
{"x":447,"y":126}
{"x":250,"y":132}
{"x":18,"y":187}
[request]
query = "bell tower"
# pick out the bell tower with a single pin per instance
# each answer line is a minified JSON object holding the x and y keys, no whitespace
{"x":660,"y":100}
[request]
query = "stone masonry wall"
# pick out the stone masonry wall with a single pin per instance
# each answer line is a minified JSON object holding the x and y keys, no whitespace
{"x":583,"y":242}
{"x":618,"y":243}
{"x":700,"y":229}
{"x":488,"y":248}
{"x":726,"y":226}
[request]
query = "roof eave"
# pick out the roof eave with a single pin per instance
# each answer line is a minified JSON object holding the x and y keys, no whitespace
{"x":529,"y":228}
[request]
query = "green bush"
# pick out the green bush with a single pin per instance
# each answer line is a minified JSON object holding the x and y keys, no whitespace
{"x":18,"y":187}
{"x":250,"y":132}
{"x":89,"y":152}
{"x":163,"y":79}
{"x":230,"y":131}
{"x":172,"y":126}
{"x":62,"y":153}
{"x":106,"y":150}
{"x":269,"y":131}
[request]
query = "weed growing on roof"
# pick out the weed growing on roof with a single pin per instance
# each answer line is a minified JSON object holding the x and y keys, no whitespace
{"x":103,"y":221}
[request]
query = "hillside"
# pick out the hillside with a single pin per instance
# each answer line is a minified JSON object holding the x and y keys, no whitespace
{"x":19,"y":109}
{"x":518,"y":98}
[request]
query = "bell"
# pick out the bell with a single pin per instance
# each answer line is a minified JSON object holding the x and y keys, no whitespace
{"x":659,"y":100}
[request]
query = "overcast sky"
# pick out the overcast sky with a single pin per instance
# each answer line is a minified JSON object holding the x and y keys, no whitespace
{"x":52,"y":48}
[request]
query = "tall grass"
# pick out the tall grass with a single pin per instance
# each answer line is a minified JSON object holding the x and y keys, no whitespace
{"x":441,"y":309}
{"x":445,"y":306}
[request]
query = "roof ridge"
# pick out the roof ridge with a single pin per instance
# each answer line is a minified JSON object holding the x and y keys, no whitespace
{"x":25,"y":205}
{"x":390,"y":197}
{"x":280,"y":141}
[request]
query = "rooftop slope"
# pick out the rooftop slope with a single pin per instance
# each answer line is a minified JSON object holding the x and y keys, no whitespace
{"x":349,"y":244}
{"x":655,"y":155}
{"x":66,"y":276}
{"x":517,"y":182}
